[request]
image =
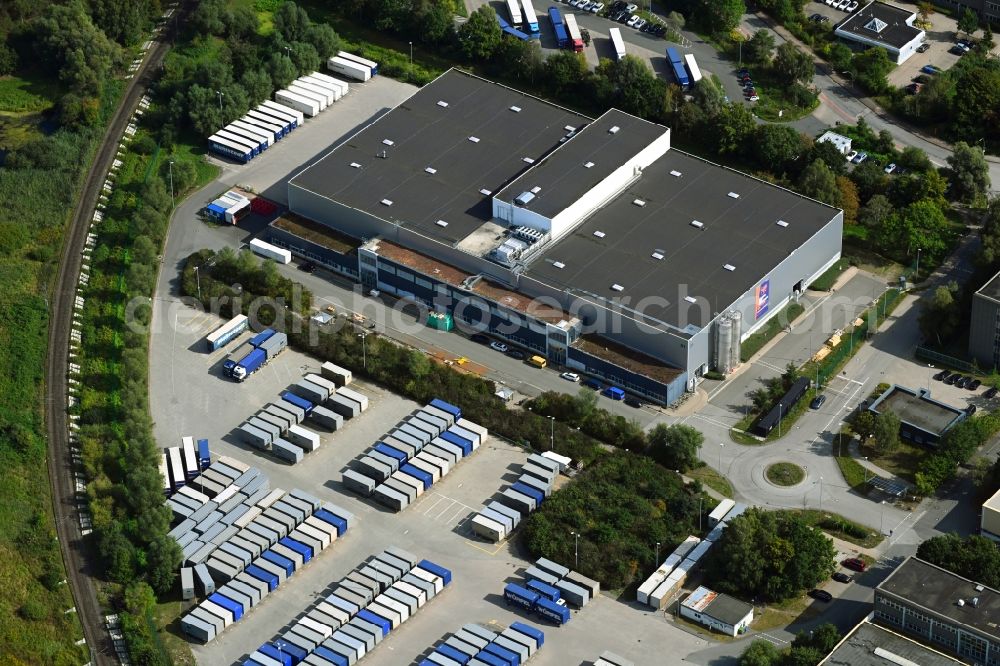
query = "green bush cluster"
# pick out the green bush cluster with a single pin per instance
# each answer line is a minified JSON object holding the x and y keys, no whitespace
{"x":808,"y":649}
{"x":840,"y":524}
{"x":620,"y":507}
{"x":955,"y":448}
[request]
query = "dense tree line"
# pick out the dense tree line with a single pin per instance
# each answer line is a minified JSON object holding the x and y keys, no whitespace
{"x":621,"y":508}
{"x":974,"y":557}
{"x":956,"y":448}
{"x":769,"y":555}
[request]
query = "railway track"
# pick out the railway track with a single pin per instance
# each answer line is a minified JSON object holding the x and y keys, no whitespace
{"x":78,"y":557}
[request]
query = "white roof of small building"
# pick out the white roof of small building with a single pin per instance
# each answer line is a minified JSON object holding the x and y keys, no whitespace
{"x":842,"y":142}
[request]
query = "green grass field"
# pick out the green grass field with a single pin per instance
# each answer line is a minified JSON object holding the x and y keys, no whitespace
{"x":26,"y":94}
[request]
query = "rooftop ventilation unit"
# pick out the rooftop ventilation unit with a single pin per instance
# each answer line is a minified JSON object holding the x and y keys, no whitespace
{"x":675,"y":173}
{"x":614,"y":130}
{"x":697,"y":225}
{"x":441,"y":223}
{"x":443,"y":104}
{"x":389,"y":142}
{"x":600,"y":234}
{"x":638,"y":202}
{"x":355,"y":165}
{"x":588,"y":165}
{"x":734,"y":195}
{"x":690,"y":299}
{"x":431,"y":170}
{"x":527,"y":234}
{"x":386,"y":202}
{"x":485,"y":192}
{"x":782,"y":223}
{"x":658,"y":255}
{"x":536,"y":189}
{"x":559,"y":264}
{"x":524,"y":198}
{"x":515,"y":109}
{"x":528,"y":160}
{"x":730,"y":267}
{"x":474,"y":139}
{"x":617,"y":287}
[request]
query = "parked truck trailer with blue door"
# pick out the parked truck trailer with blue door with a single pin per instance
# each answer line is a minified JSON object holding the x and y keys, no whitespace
{"x":301,"y":403}
{"x":520,"y":596}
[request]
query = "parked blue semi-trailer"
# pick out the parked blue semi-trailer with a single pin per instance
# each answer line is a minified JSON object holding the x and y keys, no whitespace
{"x":447,"y":407}
{"x":562,"y":37}
{"x":249,"y":364}
{"x":677,"y":66}
{"x":545,"y":590}
{"x":439,"y":571}
{"x":520,"y":596}
{"x":204,"y":457}
{"x":537,"y":634}
{"x":259,"y":339}
{"x":552,"y":611}
{"x":302,"y":403}
{"x":508,"y":29}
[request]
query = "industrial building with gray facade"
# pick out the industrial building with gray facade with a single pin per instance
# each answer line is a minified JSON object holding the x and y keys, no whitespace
{"x":590,"y":242}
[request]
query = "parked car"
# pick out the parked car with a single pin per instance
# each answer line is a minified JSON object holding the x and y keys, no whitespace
{"x":921,"y":78}
{"x":624,"y":17}
{"x":851,"y":155}
{"x":914,"y":88}
{"x":843,"y":5}
{"x":991,"y":393}
{"x":815,"y":18}
{"x":307,"y":267}
{"x":818,"y":401}
{"x":974,"y":384}
{"x":957,"y":50}
{"x":597,"y":8}
{"x":860,"y":157}
{"x":821,"y":595}
{"x":853,"y":7}
{"x":941,"y":376}
{"x":824,"y":19}
{"x":753,"y":98}
{"x":855,"y":563}
{"x":889,"y":168}
{"x":516,"y":354}
{"x":930,"y":69}
{"x":631,"y":7}
{"x":952,"y":378}
{"x":633,"y":21}
{"x":660,"y":30}
{"x":841,"y":577}
{"x":923,"y":48}
{"x":480,"y":338}
{"x":970,"y":410}
{"x":639,"y":24}
{"x":593,"y":383}
{"x":570,"y":376}
{"x":633,"y":402}
{"x":961,"y":381}
{"x":496,"y":345}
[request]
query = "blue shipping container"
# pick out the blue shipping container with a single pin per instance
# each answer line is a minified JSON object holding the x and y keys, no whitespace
{"x":427,"y":565}
{"x":447,"y":407}
{"x":547,"y":591}
{"x":533,"y":493}
{"x":460,"y":442}
{"x":273,"y":652}
{"x":490,"y":659}
{"x":562,"y":37}
{"x":384,"y":448}
{"x":525,"y":598}
{"x":336,"y":521}
{"x":331,"y":656}
{"x":288,"y":396}
{"x":377,"y":620}
{"x":234,"y":607}
{"x":265,"y":576}
{"x":305,"y":551}
{"x":298,"y":653}
{"x":453,"y":654}
{"x":509,"y":657}
{"x":204,"y":457}
{"x":279,"y":561}
{"x":531,"y":632}
{"x":261,"y":337}
{"x":418,"y":474}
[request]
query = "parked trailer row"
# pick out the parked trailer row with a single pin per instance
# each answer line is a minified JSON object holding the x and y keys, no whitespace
{"x":349,"y":68}
{"x":535,"y":483}
{"x":255,"y":354}
{"x":292,"y":529}
{"x":418,"y":453}
{"x":477,"y":646}
{"x":364,"y":607}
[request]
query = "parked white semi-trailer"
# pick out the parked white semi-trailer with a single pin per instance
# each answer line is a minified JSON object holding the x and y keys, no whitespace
{"x":351,"y":70}
{"x":343,"y":85}
{"x":692,"y":67}
{"x":370,"y":64}
{"x":268,"y":251}
{"x":319,"y":83}
{"x":328,"y":93}
{"x":302,"y":91}
{"x":301,"y":104}
{"x":281,"y":110}
{"x":617,"y":43}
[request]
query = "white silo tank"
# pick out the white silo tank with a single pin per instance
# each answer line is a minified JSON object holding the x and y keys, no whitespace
{"x":735,"y":348}
{"x":723,"y":345}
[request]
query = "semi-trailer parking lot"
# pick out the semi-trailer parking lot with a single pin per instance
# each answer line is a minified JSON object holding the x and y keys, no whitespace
{"x":190,"y":396}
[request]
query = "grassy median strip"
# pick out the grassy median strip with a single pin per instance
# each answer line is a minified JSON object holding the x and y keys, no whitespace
{"x":840,"y":527}
{"x":711,"y":478}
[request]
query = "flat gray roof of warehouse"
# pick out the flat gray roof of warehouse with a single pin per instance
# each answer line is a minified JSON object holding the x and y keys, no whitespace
{"x":890,"y":24}
{"x":563,"y":176}
{"x":743,"y":232}
{"x":425,"y":134}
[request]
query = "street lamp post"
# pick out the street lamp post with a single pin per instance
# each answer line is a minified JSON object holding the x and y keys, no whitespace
{"x":221,"y":95}
{"x":916,"y":273}
{"x":171,"y":166}
{"x":280,"y":645}
{"x":197,"y":277}
{"x":821,"y":493}
{"x":411,"y":54}
{"x":552,"y":433}
{"x":364,"y":353}
{"x":930,"y":367}
{"x":866,"y":471}
{"x":779,"y":420}
{"x":657,"y":562}
{"x":576,"y":552}
{"x":722,"y":445}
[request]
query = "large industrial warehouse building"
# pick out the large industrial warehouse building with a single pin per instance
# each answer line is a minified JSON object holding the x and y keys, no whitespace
{"x":590,"y":242}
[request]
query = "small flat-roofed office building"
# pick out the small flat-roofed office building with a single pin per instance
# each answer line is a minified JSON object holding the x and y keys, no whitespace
{"x":944,"y":610}
{"x":869,"y":644}
{"x":989,"y":521}
{"x":923,"y":420}
{"x":984,"y":324}
{"x":717,"y":611}
{"x":884,"y":25}
{"x":589,"y":242}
